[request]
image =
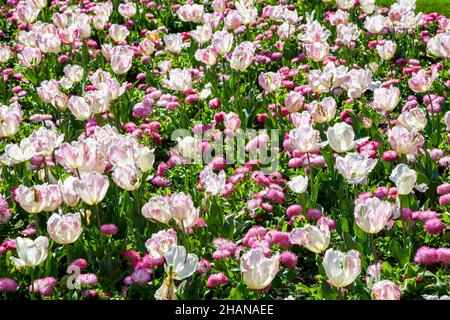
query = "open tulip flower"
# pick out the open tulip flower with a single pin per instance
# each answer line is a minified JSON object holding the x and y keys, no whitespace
{"x":224,"y":149}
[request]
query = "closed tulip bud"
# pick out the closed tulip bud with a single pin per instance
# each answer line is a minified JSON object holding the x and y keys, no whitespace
{"x":222,"y":41}
{"x":372,"y":214}
{"x":158,"y":208}
{"x":386,"y":290}
{"x":181,"y":205}
{"x":294,"y":101}
{"x":31,"y":252}
{"x":64,"y":229}
{"x":145,"y":159}
{"x":404,"y":179}
{"x":70,"y":197}
{"x":315,"y":239}
{"x":127,"y":178}
{"x":342,"y":269}
{"x":341,"y":137}
{"x":10,"y":119}
{"x":257,"y":270}
{"x":92,"y":188}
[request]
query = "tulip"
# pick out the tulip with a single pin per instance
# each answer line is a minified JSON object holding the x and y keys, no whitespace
{"x":304,"y":138}
{"x":404,"y":179}
{"x":31,"y":252}
{"x":242,"y":56}
{"x":80,"y":107}
{"x":413,"y":119}
{"x":44,"y":141}
{"x":187,"y":147}
{"x":183,"y":211}
{"x":342,"y":269}
{"x":30,"y":57}
{"x":10,"y":119}
{"x":147,"y":47}
{"x":73,"y":155}
{"x":174,"y":43}
{"x":157,"y":208}
{"x":222,"y":41}
{"x":179,"y":80}
{"x":46,"y":197}
{"x":70,"y":197}
{"x":386,"y":99}
{"x":386,"y":290}
{"x":5,"y":54}
{"x":74,"y":73}
{"x":127,"y":9}
{"x":298,"y":184}
{"x":145,"y":158}
{"x":404,"y":141}
{"x":354,"y":167}
{"x":374,"y":24}
{"x":358,"y":82}
{"x":269,"y":81}
{"x":92,"y":188}
{"x":372,"y":214}
{"x":202,"y":34}
{"x":257,"y":270}
{"x":387,"y":50}
{"x":317,"y":51}
{"x":293,"y":101}
{"x":121,"y":62}
{"x":345,"y":4}
{"x":127,"y":178}
{"x":421,"y":82}
{"x":315,"y":239}
{"x":341,"y":137}
{"x":64,"y":229}
{"x":118,"y":32}
{"x":439,"y":45}
{"x":160,"y":243}
{"x":191,"y":13}
{"x":179,"y":265}
{"x":323,"y":111}
{"x":208,"y":56}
